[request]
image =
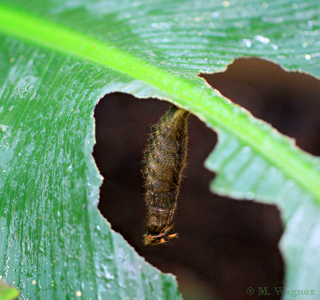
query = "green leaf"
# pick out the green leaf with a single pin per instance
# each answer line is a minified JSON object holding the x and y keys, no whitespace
{"x":54,"y":242}
{"x":7,"y":292}
{"x":57,"y":58}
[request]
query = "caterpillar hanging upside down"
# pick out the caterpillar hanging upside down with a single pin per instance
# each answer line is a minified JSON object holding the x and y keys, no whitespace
{"x":164,"y":160}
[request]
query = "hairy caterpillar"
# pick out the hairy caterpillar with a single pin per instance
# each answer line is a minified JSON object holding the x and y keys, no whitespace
{"x":164,"y":160}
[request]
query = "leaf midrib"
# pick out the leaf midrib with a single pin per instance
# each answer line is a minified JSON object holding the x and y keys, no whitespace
{"x":290,"y":160}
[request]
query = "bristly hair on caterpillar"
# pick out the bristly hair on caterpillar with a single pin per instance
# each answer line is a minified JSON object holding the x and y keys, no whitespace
{"x":164,"y":160}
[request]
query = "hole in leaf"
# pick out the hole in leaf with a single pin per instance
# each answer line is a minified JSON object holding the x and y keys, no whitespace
{"x":224,"y":245}
{"x":290,"y":101}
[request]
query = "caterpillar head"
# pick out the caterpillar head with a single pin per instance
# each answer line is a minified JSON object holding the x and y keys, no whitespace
{"x":159,"y":238}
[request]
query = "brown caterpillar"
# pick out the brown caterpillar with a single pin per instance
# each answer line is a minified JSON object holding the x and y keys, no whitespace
{"x":164,"y":160}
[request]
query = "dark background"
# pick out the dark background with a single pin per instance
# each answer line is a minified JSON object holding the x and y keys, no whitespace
{"x":224,"y":245}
